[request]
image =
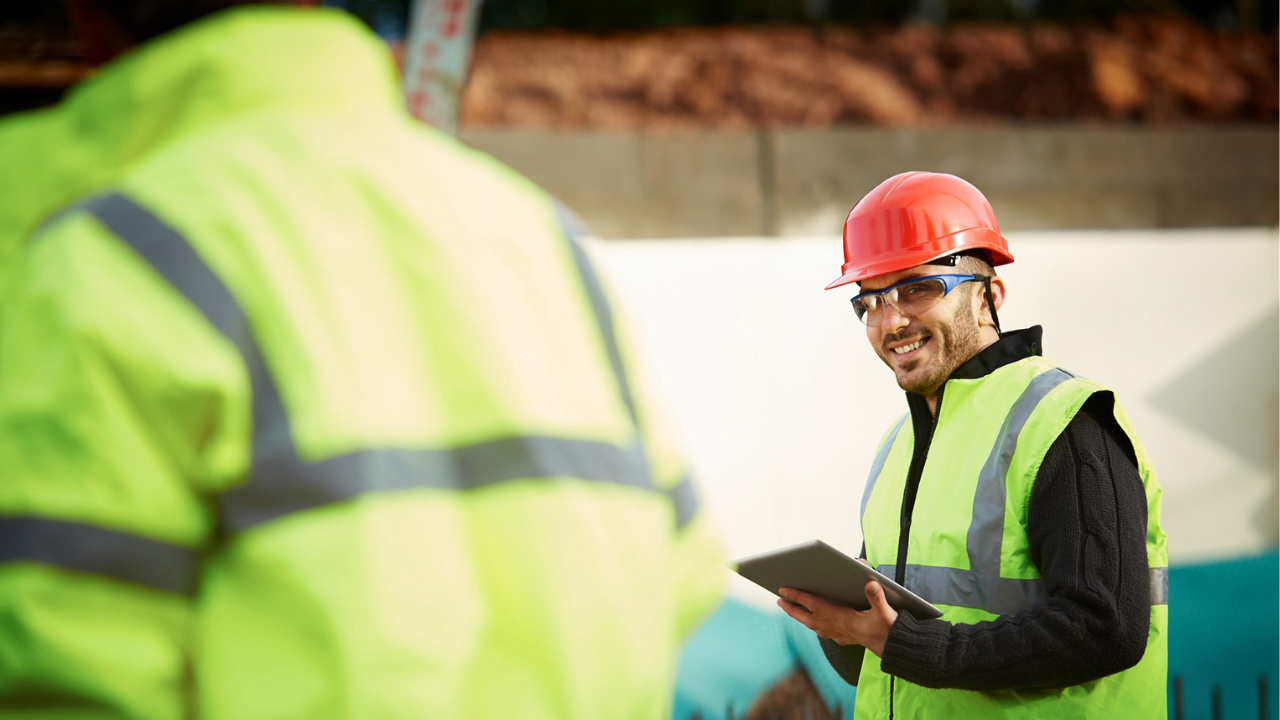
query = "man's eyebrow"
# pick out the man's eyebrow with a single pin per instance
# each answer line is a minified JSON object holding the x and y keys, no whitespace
{"x":903,"y":281}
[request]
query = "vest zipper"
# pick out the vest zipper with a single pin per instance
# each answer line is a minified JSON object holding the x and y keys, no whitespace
{"x":923,"y":423}
{"x":891,"y":679}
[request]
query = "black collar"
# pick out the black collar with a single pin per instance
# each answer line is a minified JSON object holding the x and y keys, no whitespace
{"x":1012,"y":346}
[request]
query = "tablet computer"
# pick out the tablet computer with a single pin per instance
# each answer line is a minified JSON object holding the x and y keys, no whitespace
{"x":816,"y":567}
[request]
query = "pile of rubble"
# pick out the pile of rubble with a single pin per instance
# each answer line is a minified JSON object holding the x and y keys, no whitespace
{"x":39,"y":57}
{"x":794,"y":697}
{"x":1153,"y":69}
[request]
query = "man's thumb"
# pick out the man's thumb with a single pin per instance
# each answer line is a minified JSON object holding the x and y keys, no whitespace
{"x":875,"y":594}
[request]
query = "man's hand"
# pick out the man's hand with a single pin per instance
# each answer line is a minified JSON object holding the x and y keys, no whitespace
{"x":868,"y":628}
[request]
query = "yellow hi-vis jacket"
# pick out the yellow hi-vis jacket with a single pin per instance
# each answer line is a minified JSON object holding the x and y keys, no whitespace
{"x":968,"y":553}
{"x":307,"y":411}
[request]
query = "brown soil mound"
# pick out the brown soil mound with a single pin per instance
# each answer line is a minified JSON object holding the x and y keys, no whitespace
{"x":793,"y":698}
{"x":1154,"y":69}
{"x":38,"y":57}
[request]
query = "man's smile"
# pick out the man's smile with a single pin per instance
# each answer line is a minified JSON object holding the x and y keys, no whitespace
{"x":905,"y":349}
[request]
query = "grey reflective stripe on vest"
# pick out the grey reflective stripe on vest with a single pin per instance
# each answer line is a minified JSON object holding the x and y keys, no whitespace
{"x":281,"y":482}
{"x":998,"y":595}
{"x":965,"y":588}
{"x":91,"y":549}
{"x":1159,"y":578}
{"x":986,"y":531}
{"x":878,"y":464}
{"x":981,"y":586}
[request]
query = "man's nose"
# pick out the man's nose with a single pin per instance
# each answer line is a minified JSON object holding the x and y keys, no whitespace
{"x":892,"y":320}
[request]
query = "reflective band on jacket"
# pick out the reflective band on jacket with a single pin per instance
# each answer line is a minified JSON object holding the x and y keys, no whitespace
{"x":573,"y":229}
{"x":87,"y":548}
{"x":280,"y":481}
{"x":682,"y":496}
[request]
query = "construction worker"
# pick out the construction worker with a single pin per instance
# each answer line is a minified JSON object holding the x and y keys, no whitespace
{"x":1014,"y":495}
{"x":308,"y":411}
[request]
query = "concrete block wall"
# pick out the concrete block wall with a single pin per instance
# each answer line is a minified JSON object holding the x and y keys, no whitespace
{"x":803,"y":181}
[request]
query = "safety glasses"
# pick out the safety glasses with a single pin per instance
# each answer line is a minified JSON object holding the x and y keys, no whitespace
{"x":909,"y":297}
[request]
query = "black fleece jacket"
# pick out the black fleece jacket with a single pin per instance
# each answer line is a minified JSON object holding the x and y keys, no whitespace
{"x":1086,"y":527}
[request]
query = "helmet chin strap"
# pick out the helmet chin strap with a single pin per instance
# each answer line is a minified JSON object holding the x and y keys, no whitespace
{"x":991,"y":305}
{"x":952,"y":261}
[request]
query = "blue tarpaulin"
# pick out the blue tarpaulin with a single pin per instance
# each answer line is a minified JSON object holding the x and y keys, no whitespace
{"x":739,"y":653}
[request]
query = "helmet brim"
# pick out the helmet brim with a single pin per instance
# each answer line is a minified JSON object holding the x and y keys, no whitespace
{"x":981,"y":239}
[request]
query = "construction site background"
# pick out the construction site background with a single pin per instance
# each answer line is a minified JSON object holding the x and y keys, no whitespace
{"x":570,"y":64}
{"x":719,"y":144}
{"x":1153,"y":69}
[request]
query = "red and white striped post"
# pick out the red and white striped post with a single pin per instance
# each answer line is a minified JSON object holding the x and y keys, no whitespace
{"x":437,"y":51}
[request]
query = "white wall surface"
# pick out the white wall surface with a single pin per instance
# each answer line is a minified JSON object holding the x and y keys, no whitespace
{"x":781,"y":402}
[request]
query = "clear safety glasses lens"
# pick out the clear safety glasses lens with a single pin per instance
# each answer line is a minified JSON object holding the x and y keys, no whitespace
{"x":910,"y":298}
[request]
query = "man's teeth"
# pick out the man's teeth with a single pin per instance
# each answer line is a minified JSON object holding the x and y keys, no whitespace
{"x":908,"y":348}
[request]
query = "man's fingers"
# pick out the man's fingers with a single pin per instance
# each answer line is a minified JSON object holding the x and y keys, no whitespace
{"x":785,"y":604}
{"x":798,"y":613}
{"x":793,"y":608}
{"x":811,"y":602}
{"x":792,"y":597}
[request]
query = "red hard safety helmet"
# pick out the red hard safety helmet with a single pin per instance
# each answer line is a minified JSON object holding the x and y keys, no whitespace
{"x":913,"y":218}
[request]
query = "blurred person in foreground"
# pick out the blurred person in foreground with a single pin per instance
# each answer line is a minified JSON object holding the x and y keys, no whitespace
{"x":308,"y":411}
{"x":1014,"y":495}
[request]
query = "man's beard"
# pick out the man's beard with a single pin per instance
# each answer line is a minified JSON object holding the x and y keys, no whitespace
{"x":959,"y":340}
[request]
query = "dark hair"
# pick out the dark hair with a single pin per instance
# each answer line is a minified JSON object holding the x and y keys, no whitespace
{"x":141,"y":20}
{"x":975,"y":262}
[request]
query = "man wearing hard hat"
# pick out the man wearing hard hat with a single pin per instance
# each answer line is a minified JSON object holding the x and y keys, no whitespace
{"x":1014,"y":495}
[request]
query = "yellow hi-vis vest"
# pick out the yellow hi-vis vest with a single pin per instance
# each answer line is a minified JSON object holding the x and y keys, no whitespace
{"x":308,"y":411}
{"x":968,"y":553}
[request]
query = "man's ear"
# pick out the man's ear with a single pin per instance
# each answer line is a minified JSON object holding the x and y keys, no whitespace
{"x":998,"y":290}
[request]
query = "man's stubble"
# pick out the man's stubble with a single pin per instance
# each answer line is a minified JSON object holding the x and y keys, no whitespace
{"x":956,"y":341}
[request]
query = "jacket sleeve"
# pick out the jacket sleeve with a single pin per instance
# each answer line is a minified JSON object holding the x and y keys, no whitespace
{"x":116,"y":405}
{"x":1087,"y":530}
{"x":698,"y":557}
{"x":846,"y":660}
{"x":698,"y":561}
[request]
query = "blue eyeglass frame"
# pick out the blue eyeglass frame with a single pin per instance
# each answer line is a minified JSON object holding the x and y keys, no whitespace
{"x":949,"y":283}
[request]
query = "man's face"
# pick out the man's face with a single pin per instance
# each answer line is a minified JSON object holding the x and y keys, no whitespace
{"x":948,"y":333}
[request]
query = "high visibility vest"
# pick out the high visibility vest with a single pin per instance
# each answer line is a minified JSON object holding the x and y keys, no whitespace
{"x":968,"y":554}
{"x":308,"y":411}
